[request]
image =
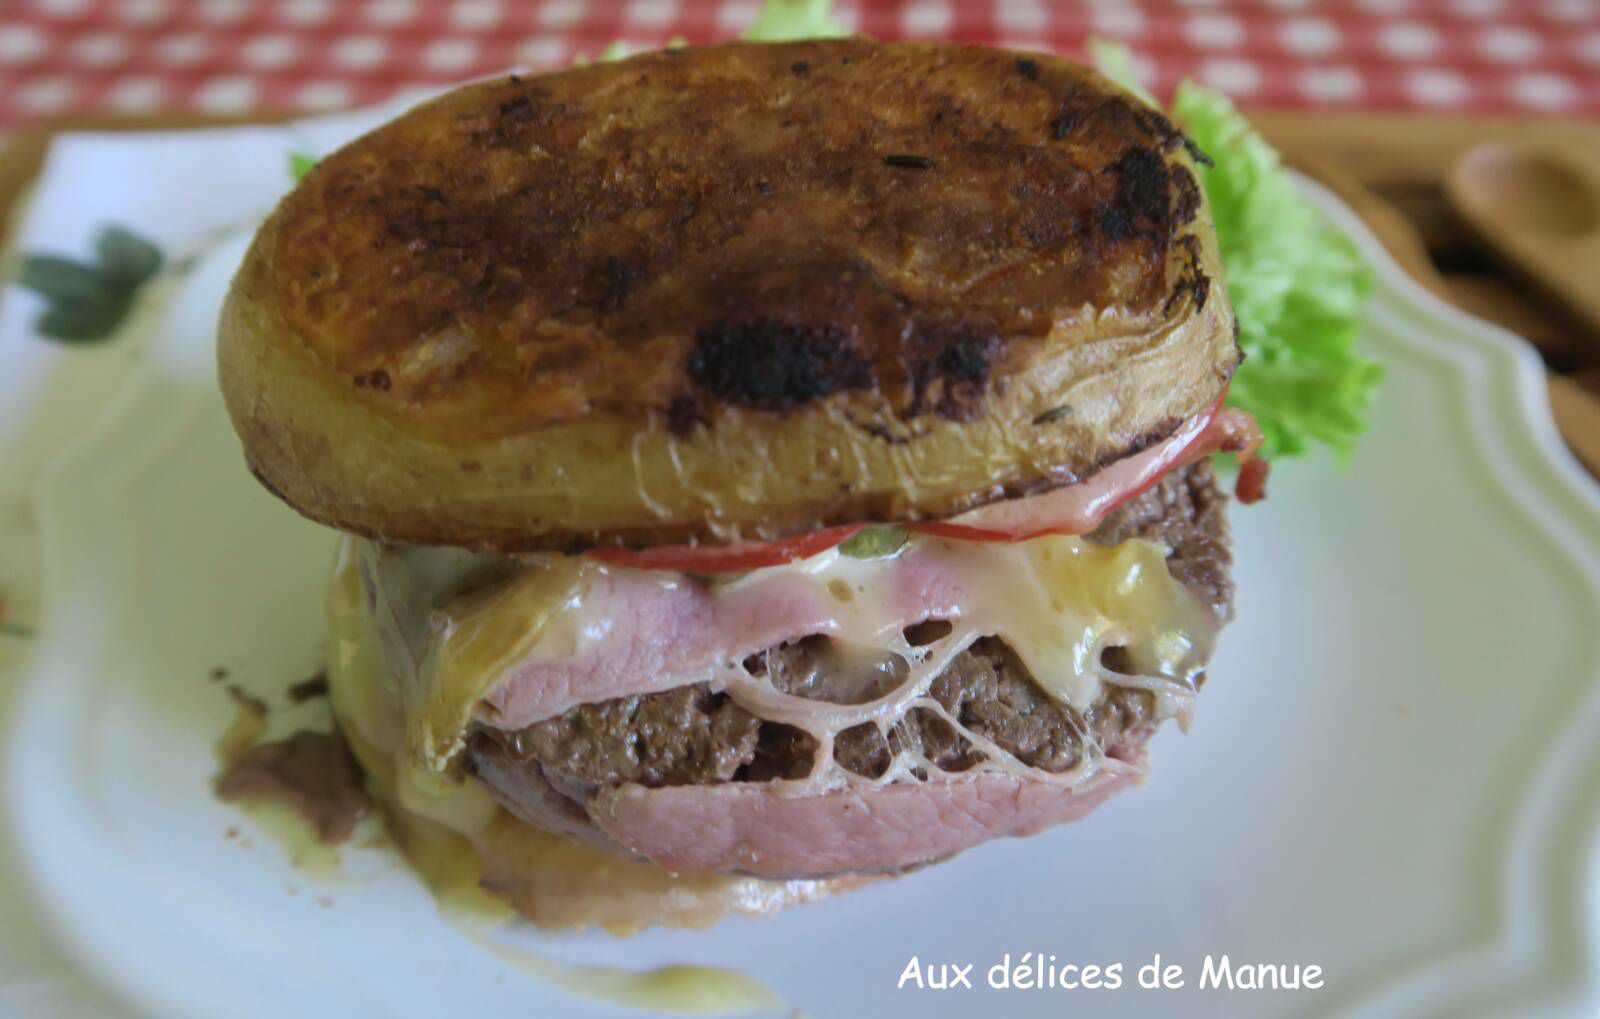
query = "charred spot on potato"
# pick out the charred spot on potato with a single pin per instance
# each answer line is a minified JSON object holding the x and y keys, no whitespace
{"x":513,"y":119}
{"x":1187,"y":204}
{"x":1155,"y":124}
{"x":611,"y":280}
{"x":1063,"y":124}
{"x":799,"y":68}
{"x":1114,"y":221}
{"x":1142,"y":182}
{"x":1192,"y":279}
{"x":907,"y":161}
{"x":949,"y":365}
{"x":1028,"y":69}
{"x":773,"y":365}
{"x":1139,"y":205}
{"x":514,"y":105}
{"x":684,"y":416}
{"x":377,"y":379}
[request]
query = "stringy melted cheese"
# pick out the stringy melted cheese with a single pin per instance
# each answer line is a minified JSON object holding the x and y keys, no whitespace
{"x":453,"y":626}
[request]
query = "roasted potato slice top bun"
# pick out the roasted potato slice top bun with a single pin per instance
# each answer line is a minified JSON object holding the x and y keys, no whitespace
{"x":724,"y":294}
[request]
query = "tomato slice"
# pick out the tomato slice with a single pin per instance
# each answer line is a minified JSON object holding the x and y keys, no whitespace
{"x":728,"y":558}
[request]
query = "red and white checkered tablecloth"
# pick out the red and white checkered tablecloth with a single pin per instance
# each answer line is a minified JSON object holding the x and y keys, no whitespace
{"x":66,"y":56}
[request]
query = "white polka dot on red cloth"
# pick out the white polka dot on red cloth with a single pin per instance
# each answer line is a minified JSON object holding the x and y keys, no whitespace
{"x":323,"y":95}
{"x":390,"y":12}
{"x":736,"y":16}
{"x":1123,"y":21}
{"x":138,"y":94}
{"x":1233,"y":76}
{"x":1435,"y":86}
{"x":1569,"y":10}
{"x":44,"y":95}
{"x":306,"y":12}
{"x":925,"y":18}
{"x":142,"y":12}
{"x":652,"y":13}
{"x":1409,"y":40}
{"x":1214,"y":31}
{"x":1144,"y":69}
{"x":21,"y":44}
{"x":1588,"y":48}
{"x":1292,"y":5}
{"x":182,"y":49}
{"x":450,"y":55}
{"x":476,"y":15}
{"x":1022,"y":15}
{"x":100,"y":49}
{"x":1509,"y":44}
{"x":1384,"y":6}
{"x":1310,"y":37}
{"x":540,"y":51}
{"x":223,"y":12}
{"x":360,"y":52}
{"x":1199,"y":3}
{"x":1478,"y":8}
{"x":1333,"y":83}
{"x":60,"y":8}
{"x":1543,"y":89}
{"x":270,"y":52}
{"x":228,"y":94}
{"x":561,"y":13}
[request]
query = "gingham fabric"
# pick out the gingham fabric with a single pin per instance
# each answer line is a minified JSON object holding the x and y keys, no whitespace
{"x":64,"y":56}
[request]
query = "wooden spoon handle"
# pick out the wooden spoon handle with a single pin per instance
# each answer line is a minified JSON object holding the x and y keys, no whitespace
{"x":1539,"y":212}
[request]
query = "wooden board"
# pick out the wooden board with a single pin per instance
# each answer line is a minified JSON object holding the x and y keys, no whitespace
{"x":1389,"y":167}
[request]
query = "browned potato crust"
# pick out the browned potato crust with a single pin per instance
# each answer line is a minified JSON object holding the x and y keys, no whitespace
{"x":726,"y":293}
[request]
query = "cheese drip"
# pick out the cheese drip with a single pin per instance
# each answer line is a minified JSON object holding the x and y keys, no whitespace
{"x":457,"y":626}
{"x":444,"y":827}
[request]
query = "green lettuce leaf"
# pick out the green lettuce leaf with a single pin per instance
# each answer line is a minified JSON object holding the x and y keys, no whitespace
{"x":1297,"y":284}
{"x":784,"y":20}
{"x":300,"y":164}
{"x":875,"y":542}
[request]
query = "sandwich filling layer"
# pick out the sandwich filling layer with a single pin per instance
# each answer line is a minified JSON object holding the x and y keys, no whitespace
{"x":601,"y":703}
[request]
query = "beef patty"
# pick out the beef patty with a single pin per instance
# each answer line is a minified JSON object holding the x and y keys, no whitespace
{"x":693,"y":735}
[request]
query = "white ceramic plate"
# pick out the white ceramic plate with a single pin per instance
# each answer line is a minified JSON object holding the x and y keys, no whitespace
{"x":1394,"y":773}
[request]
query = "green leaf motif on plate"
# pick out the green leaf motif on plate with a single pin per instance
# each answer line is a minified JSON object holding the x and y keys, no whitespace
{"x":88,"y":301}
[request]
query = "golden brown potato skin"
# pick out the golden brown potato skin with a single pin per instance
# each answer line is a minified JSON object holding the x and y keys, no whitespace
{"x":726,"y":293}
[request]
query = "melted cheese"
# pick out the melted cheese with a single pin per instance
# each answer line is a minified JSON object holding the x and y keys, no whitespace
{"x":454,"y":627}
{"x":439,"y":824}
